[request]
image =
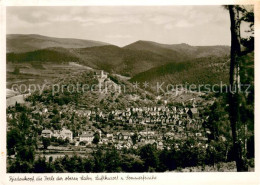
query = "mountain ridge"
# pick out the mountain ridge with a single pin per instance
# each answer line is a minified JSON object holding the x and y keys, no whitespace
{"x":187,"y":50}
{"x":10,"y":37}
{"x":129,"y":61}
{"x":19,"y":43}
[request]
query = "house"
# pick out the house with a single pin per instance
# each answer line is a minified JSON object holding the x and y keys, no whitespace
{"x":190,"y":134}
{"x":124,"y":136}
{"x":198,"y":134}
{"x":150,"y":141}
{"x":164,"y":125}
{"x":180,"y":129}
{"x":56,"y":133}
{"x":139,"y":115}
{"x":203,"y":139}
{"x":87,"y":136}
{"x":141,"y":139}
{"x":45,"y":110}
{"x":65,"y":133}
{"x":208,"y":131}
{"x":47,"y":133}
{"x":193,"y":113}
{"x":160,"y":145}
{"x":178,"y":136}
{"x":147,"y":120}
{"x":171,"y":126}
{"x":110,"y":137}
{"x":35,"y":112}
{"x":179,"y":122}
{"x":88,"y":113}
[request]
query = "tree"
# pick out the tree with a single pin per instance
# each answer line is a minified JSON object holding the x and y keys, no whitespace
{"x":41,"y":166}
{"x":112,"y":160}
{"x":19,"y":166}
{"x":134,"y":138}
{"x":46,"y":142}
{"x":132,"y":163}
{"x":16,"y":70}
{"x":168,"y":159}
{"x":149,"y":155}
{"x":13,"y":139}
{"x":25,"y":153}
{"x":237,"y":14}
{"x":99,"y":163}
{"x":24,"y":122}
{"x":96,"y":138}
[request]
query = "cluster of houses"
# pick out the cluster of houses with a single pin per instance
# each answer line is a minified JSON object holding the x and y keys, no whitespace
{"x":172,"y":123}
{"x":158,"y":124}
{"x":59,"y":134}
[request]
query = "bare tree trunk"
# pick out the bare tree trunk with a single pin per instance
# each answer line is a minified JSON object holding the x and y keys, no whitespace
{"x":226,"y":156}
{"x":235,"y":86}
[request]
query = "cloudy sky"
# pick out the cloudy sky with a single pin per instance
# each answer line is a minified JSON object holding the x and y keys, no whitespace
{"x":122,"y":25}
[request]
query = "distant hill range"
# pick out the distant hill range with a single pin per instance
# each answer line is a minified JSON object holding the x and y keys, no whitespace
{"x":19,"y":43}
{"x":131,"y":60}
{"x":180,"y":50}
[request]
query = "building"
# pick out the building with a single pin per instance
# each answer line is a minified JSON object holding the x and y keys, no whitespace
{"x":193,"y":113}
{"x":47,"y":133}
{"x":102,"y":76}
{"x":65,"y":133}
{"x":87,"y":136}
{"x":124,"y":136}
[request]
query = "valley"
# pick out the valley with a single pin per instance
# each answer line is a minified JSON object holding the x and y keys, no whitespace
{"x":75,"y":101}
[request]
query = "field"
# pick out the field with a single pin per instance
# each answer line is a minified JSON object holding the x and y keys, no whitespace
{"x":37,"y":73}
{"x":12,"y":100}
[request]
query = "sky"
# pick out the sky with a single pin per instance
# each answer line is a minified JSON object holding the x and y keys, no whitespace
{"x":122,"y":25}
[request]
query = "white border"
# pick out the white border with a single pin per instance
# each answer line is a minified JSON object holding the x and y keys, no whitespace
{"x":162,"y":178}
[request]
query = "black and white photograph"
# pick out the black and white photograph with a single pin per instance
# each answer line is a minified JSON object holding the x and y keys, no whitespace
{"x":130,"y":89}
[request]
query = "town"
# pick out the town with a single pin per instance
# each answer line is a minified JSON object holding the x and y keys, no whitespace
{"x":154,"y":125}
{"x":133,"y":127}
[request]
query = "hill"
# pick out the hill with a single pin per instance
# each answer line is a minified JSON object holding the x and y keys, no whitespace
{"x":18,"y":43}
{"x":180,"y":51}
{"x":129,"y":61}
{"x":109,"y":58}
{"x":104,"y":97}
{"x":156,"y":48}
{"x":207,"y":70}
{"x":119,"y":60}
{"x":55,"y":55}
